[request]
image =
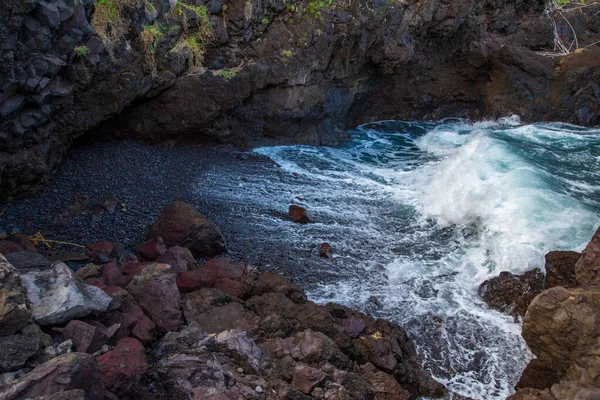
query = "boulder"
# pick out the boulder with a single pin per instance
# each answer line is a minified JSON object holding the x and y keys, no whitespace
{"x":383,"y":385}
{"x":88,"y":271}
{"x":111,"y":276}
{"x":57,"y":296}
{"x":132,"y":321}
{"x":88,"y":338}
{"x":179,"y":258}
{"x":123,"y":367}
{"x":99,"y":252}
{"x":305,"y":378}
{"x":587,"y":268}
{"x":27,"y":259}
{"x":20,"y":347}
{"x":561,"y":326}
{"x":225,"y":267}
{"x":155,"y":290}
{"x":560,"y":268}
{"x":180,"y":224}
{"x":537,"y":375}
{"x":7,"y":247}
{"x":512,"y":293}
{"x":325,"y":251}
{"x":234,"y":288}
{"x":153,"y":248}
{"x":238,"y":341}
{"x":191,"y":281}
{"x":298,"y":214}
{"x":67,"y":372}
{"x":22,"y":240}
{"x":14,"y":304}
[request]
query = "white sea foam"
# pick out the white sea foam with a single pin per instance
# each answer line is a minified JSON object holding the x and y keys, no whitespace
{"x":420,"y":214}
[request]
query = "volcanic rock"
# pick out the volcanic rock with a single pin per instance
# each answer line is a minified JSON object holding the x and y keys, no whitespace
{"x":151,"y":249}
{"x":64,"y":373}
{"x":27,"y":259}
{"x":587,"y":269}
{"x":512,"y":293}
{"x":298,"y":214}
{"x":87,"y":338}
{"x":560,"y":268}
{"x":155,"y":290}
{"x":14,"y":303}
{"x":180,"y":224}
{"x":124,"y":366}
{"x":325,"y":251}
{"x":179,"y":258}
{"x":20,"y":347}
{"x":57,"y":296}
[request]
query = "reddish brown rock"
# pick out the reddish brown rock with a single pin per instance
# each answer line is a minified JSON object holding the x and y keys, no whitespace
{"x":587,"y":268}
{"x":99,"y":252}
{"x":234,"y":288}
{"x":87,"y":338}
{"x":133,"y":269}
{"x":180,"y":224}
{"x":298,"y":214}
{"x":61,"y":374}
{"x":537,"y":375}
{"x":512,"y":293}
{"x":325,"y":251}
{"x":153,"y":248}
{"x":225,"y":267}
{"x":179,"y":258}
{"x":354,"y":327}
{"x":22,"y":240}
{"x":124,"y":366}
{"x":305,"y":378}
{"x":561,"y":326}
{"x":7,"y":247}
{"x":560,"y":268}
{"x":196,"y":279}
{"x":111,"y":276}
{"x":155,"y":290}
{"x":132,"y":321}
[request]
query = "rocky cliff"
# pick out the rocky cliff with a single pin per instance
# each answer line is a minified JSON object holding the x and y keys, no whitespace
{"x":258,"y":72}
{"x":561,"y":325}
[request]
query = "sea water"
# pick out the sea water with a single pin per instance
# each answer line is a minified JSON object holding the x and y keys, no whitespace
{"x":419,"y":214}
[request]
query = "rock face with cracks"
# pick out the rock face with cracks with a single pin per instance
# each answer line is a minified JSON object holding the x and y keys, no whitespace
{"x":274,"y":72}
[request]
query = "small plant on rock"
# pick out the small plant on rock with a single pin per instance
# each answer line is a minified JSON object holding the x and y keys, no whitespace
{"x":81,"y":51}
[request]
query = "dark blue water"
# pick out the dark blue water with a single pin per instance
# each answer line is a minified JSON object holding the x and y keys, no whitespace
{"x":419,"y":214}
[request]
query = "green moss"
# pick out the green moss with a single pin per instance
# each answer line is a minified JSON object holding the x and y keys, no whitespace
{"x":227,"y":74}
{"x":81,"y":51}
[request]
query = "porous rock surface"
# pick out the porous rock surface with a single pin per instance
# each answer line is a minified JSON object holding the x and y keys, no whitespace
{"x":278,"y":72}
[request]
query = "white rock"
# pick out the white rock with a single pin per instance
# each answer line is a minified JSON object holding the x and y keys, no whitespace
{"x":57,"y":296}
{"x":258,"y":389}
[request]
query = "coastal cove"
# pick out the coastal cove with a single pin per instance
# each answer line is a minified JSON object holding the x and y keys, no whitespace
{"x":419,"y":214}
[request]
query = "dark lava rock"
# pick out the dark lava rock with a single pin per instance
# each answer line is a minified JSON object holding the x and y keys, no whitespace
{"x":560,"y":268}
{"x":27,"y":259}
{"x":298,"y":214}
{"x":512,"y":293}
{"x":181,"y":225}
{"x":325,"y":251}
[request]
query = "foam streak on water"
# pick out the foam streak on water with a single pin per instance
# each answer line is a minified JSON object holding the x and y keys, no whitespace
{"x":420,"y":214}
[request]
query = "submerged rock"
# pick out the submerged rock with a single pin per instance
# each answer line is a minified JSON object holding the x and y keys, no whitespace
{"x":57,"y":296}
{"x":180,"y":224}
{"x":299,"y":214}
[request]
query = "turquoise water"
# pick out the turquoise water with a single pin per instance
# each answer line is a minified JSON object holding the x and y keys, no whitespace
{"x":419,"y":214}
